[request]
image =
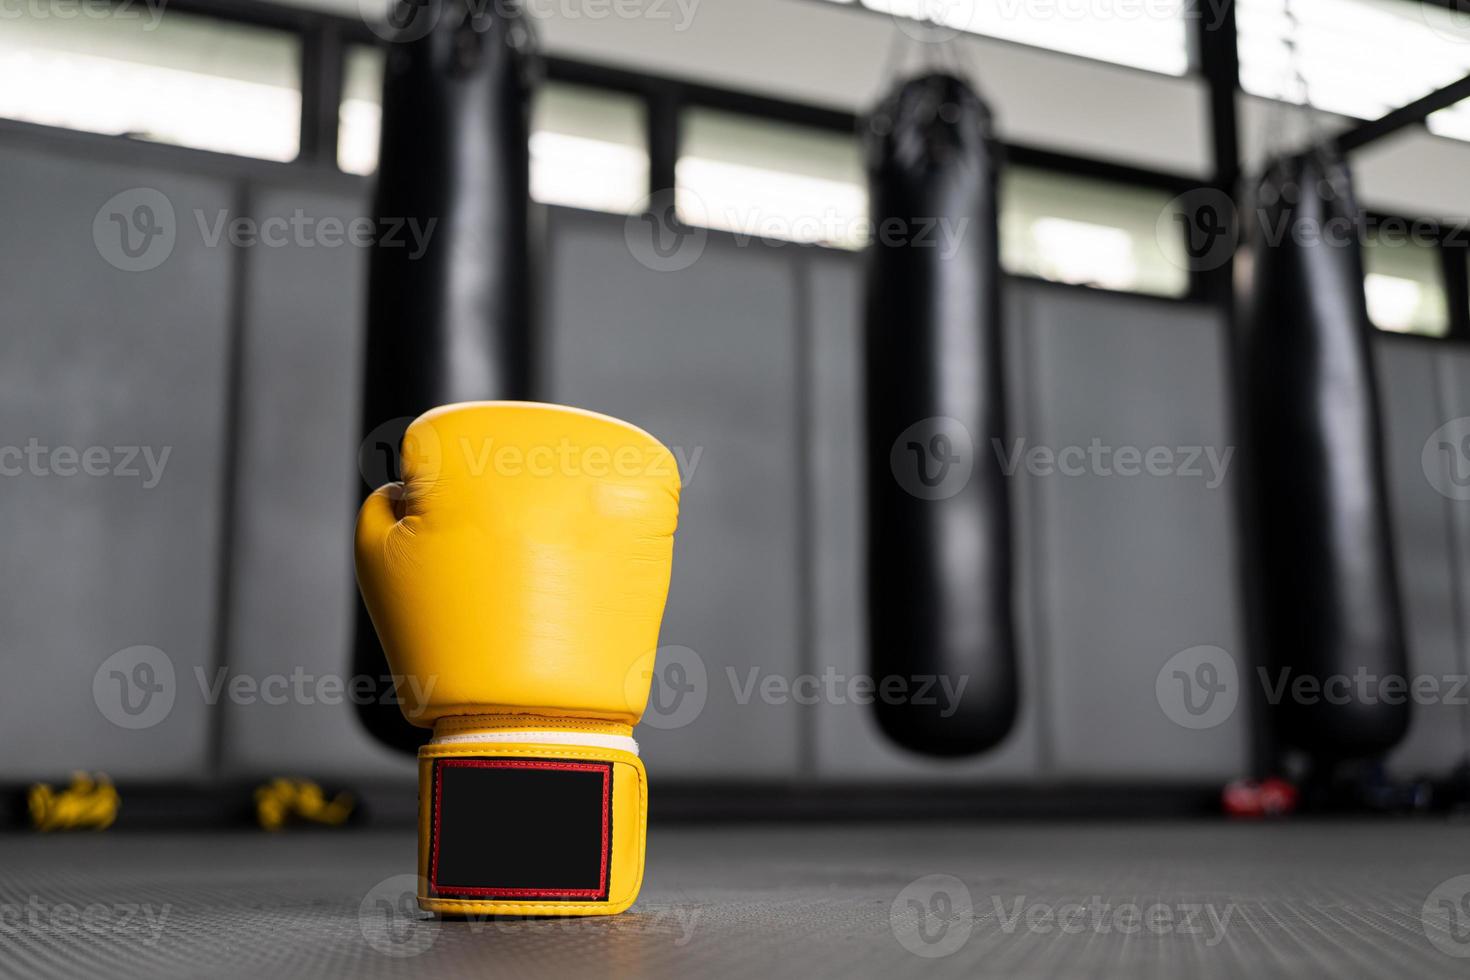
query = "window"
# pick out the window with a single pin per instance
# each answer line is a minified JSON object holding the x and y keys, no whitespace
{"x":1149,"y":35}
{"x":360,"y":116}
{"x":589,"y":148}
{"x":1453,"y":122}
{"x":153,"y":76}
{"x":1358,"y":58}
{"x":762,"y":179}
{"x":1092,"y":233}
{"x":1404,"y":285}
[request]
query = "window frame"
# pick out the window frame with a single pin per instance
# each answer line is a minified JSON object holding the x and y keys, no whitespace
{"x":668,"y":98}
{"x":1452,"y":248}
{"x":326,"y":37}
{"x":1191,"y":52}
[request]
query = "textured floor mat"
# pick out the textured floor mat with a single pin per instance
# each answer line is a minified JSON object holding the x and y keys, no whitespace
{"x":1133,"y":900}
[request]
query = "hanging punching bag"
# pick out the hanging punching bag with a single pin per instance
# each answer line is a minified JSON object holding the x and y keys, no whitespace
{"x":448,"y":320}
{"x":1324,"y":586}
{"x":939,"y":565}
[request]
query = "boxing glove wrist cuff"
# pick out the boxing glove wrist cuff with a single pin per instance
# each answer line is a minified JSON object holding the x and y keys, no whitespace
{"x":530,"y":815}
{"x":586,"y":739}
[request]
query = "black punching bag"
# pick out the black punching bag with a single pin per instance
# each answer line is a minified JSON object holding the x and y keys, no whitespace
{"x":453,"y":323}
{"x":938,"y":519}
{"x":1322,"y":578}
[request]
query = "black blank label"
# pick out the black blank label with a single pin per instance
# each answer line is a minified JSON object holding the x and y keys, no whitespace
{"x":521,"y":829}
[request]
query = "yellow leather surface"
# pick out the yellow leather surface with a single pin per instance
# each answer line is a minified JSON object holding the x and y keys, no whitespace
{"x":629,"y":829}
{"x":523,"y":563}
{"x":517,"y":579}
{"x":462,"y":724}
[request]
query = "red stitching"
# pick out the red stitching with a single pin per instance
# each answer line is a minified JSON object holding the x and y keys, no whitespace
{"x":530,"y":892}
{"x":603,"y":767}
{"x":438,"y":797}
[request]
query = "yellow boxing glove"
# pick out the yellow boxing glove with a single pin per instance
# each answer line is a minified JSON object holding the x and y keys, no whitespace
{"x":516,"y":578}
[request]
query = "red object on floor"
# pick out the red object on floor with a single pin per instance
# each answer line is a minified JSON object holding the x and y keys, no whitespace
{"x":1265,"y":798}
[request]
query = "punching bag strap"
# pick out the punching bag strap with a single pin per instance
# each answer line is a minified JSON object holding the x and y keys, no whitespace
{"x":938,"y":48}
{"x":504,"y":22}
{"x":1297,"y":103}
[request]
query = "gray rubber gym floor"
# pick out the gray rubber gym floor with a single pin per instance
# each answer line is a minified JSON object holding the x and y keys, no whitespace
{"x":1054,"y":900}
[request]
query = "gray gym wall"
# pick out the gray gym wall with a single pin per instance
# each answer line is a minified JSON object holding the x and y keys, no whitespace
{"x":239,"y":558}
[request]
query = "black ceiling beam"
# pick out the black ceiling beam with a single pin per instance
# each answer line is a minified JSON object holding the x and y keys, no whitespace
{"x":1404,"y":116}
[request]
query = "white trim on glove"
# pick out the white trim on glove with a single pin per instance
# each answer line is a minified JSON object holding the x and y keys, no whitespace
{"x":622,"y":743}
